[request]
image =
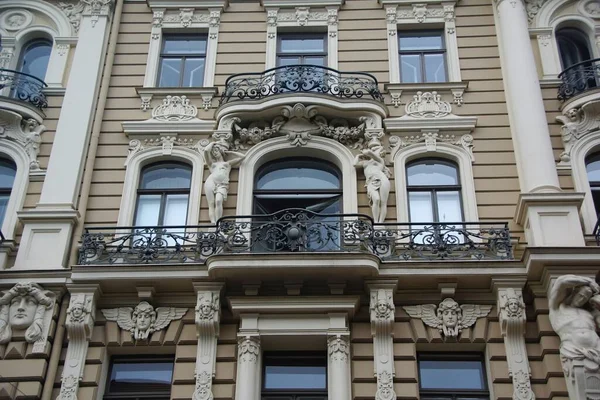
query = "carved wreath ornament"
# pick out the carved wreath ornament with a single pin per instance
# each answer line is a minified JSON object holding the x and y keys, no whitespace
{"x":449,"y":317}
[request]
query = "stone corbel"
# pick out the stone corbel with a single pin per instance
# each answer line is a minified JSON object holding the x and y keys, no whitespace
{"x":382,"y":327}
{"x":511,"y":313}
{"x":208,"y":312}
{"x":81,"y":315}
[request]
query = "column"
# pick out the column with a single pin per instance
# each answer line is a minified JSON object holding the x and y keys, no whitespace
{"x":550,"y":217}
{"x":511,"y":313}
{"x":208,"y":313}
{"x":382,"y":310}
{"x":338,"y":367}
{"x":48,"y":227}
{"x":248,"y":368}
{"x":80,"y":324}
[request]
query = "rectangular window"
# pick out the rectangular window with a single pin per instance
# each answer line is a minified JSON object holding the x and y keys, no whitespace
{"x":305,"y":48}
{"x":140,"y":378}
{"x":182,"y":61}
{"x":422,"y":56}
{"x":295,"y":376}
{"x":452,"y":376}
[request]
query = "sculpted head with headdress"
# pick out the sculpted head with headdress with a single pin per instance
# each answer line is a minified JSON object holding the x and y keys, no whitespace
{"x":450,"y":313}
{"x":23,"y":307}
{"x":144,"y":316}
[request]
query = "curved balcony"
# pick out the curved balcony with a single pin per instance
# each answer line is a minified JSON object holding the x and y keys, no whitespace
{"x":579,"y":78}
{"x":296,"y":231}
{"x":24,"y":88}
{"x":301,"y":79}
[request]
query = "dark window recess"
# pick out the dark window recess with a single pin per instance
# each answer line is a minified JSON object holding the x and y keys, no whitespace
{"x":139,"y":378}
{"x":34,"y":58}
{"x":8,"y":169}
{"x":297,"y":48}
{"x":592,"y":166}
{"x":182,"y":61}
{"x":452,"y":376}
{"x":294,"y":376}
{"x":573,"y":46}
{"x":422,"y":56}
{"x":162,"y":196}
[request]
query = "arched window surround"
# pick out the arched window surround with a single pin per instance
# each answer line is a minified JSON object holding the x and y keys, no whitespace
{"x":317,"y":147}
{"x":583,"y":148}
{"x":143,"y":158}
{"x":15,"y":153}
{"x":443,"y":151}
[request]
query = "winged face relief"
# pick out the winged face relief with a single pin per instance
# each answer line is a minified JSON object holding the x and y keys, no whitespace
{"x":144,"y":319}
{"x":448,"y":316}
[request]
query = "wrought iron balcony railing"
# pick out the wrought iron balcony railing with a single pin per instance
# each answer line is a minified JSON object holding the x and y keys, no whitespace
{"x":579,"y":78}
{"x":292,"y":231}
{"x":23,"y":87}
{"x":303,"y":79}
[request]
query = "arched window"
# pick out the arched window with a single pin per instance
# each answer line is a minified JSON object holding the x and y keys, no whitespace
{"x":8,"y":169}
{"x":573,"y":46}
{"x":306,"y":183}
{"x":34,"y":57}
{"x":163,"y":194}
{"x":434,"y":188}
{"x":592,"y":166}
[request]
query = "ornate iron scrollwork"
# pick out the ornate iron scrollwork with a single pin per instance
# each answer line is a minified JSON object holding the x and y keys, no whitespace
{"x":23,"y":87}
{"x":579,"y":78}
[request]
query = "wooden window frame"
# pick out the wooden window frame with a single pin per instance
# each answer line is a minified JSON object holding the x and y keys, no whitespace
{"x":421,"y":53}
{"x":183,"y":57}
{"x":302,"y":55}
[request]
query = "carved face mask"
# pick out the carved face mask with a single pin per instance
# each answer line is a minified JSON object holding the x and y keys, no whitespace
{"x":449,"y":318}
{"x":581,"y":296}
{"x":143,"y":320}
{"x":22,"y":312}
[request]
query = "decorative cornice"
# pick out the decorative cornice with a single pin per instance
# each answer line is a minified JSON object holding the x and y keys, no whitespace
{"x":167,"y":143}
{"x":431,"y":140}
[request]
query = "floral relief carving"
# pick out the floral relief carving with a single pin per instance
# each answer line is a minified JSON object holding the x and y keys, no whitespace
{"x":248,"y":349}
{"x":68,"y":388}
{"x":533,"y":7}
{"x":6,"y":55}
{"x":385,"y":386}
{"x":448,"y":317}
{"x":577,"y":124}
{"x":95,"y":8}
{"x":207,"y":326}
{"x":166,"y":142}
{"x":428,"y":105}
{"x":203,"y":387}
{"x":143,"y":320}
{"x":175,"y":108}
{"x":15,"y":20}
{"x":591,"y":8}
{"x":382,"y":310}
{"x":338,"y":348}
{"x":73,"y":12}
{"x":431,"y":140}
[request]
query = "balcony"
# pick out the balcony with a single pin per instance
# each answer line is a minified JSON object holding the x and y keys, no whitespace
{"x":23,"y":88}
{"x":312,"y":79}
{"x":579,"y":78}
{"x":295,"y":231}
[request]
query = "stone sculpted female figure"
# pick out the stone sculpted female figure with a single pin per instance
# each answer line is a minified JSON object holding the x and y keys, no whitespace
{"x":377,"y":174}
{"x":216,"y":186}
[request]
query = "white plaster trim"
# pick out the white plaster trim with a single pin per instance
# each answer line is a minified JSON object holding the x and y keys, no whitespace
{"x":423,"y":15}
{"x":181,"y":18}
{"x":382,"y":310}
{"x":154,"y":127}
{"x":63,"y":25}
{"x":151,"y":155}
{"x":301,"y":3}
{"x":443,"y":150}
{"x":298,"y":18}
{"x":293,"y":305}
{"x":279,"y":147}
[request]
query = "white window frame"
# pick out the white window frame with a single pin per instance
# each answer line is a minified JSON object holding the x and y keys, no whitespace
{"x":456,"y":154}
{"x":62,"y":34}
{"x":139,"y":159}
{"x":302,"y":19}
{"x":277,"y":148}
{"x":583,"y":148}
{"x":424,"y":16}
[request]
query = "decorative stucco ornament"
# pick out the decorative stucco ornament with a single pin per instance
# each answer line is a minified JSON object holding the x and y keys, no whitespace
{"x":432,"y":140}
{"x":29,"y":308}
{"x":428,"y":105}
{"x":15,"y":20}
{"x":207,"y":327}
{"x":574,"y":303}
{"x":448,"y":317}
{"x":27,"y":133}
{"x":382,"y":310}
{"x":143,"y":320}
{"x":175,"y":108}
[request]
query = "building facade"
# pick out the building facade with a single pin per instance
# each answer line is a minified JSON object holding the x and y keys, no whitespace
{"x":299,"y":199}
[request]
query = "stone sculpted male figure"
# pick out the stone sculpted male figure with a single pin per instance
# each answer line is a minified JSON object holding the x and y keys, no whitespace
{"x":575,"y":315}
{"x":377,"y":175}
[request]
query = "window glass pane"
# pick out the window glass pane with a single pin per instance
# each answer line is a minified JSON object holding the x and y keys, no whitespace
{"x":284,"y":61}
{"x":3,"y":203}
{"x":295,"y":377}
{"x":7,"y":174}
{"x":435,"y":68}
{"x":431,"y":173}
{"x":176,"y":209}
{"x":148,"y":209}
{"x":184,"y":45}
{"x":166,"y":177}
{"x":410,"y":68}
{"x":449,"y":209}
{"x":302,"y":45}
{"x":450,"y":374}
{"x":298,"y":178}
{"x":593,"y":171}
{"x":141,"y":377}
{"x":420,"y":207}
{"x":170,"y":72}
{"x":315,"y":61}
{"x":194,"y":72}
{"x":411,"y":43}
{"x":35,"y":58}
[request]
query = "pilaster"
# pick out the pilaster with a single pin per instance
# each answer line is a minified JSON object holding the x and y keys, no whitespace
{"x":248,"y":368}
{"x":338,"y":367}
{"x":80,"y":324}
{"x":382,"y":310}
{"x":208,"y":313}
{"x":511,"y":313}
